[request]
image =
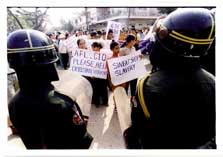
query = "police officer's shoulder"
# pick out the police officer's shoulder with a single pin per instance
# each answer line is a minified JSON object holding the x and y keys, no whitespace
{"x":160,"y":80}
{"x":206,"y":76}
{"x":57,"y":98}
{"x":157,"y":76}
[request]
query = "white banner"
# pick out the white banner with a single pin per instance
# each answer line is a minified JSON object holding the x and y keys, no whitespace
{"x":126,"y":68}
{"x":89,"y":63}
{"x":115,"y":27}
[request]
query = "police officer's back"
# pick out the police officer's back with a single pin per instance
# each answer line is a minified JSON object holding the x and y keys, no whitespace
{"x":43,"y":117}
{"x":175,"y":106}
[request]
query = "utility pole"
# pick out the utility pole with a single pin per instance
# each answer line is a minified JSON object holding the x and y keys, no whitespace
{"x":86,"y":15}
{"x":129,"y":12}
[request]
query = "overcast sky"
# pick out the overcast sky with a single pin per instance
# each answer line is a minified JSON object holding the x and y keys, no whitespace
{"x":56,"y":14}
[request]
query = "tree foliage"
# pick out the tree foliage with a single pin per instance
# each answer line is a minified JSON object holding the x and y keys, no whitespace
{"x":67,"y":25}
{"x":20,"y":18}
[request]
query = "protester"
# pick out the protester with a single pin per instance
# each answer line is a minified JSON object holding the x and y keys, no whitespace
{"x":96,"y":46}
{"x":175,"y":105}
{"x":43,"y":117}
{"x":93,"y":35}
{"x":141,"y":35}
{"x":81,"y":43}
{"x":63,"y":51}
{"x":100,"y":92}
{"x":115,"y":48}
{"x":104,"y":35}
{"x":110,"y":35}
{"x":99,"y":34}
{"x":127,"y":50}
{"x":122,"y":36}
{"x":67,"y":35}
{"x":128,"y":47}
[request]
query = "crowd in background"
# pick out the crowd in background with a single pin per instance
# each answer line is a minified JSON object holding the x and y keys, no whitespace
{"x":128,"y":43}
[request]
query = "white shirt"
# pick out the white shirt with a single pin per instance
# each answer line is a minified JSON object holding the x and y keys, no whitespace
{"x":126,"y":51}
{"x":62,"y":46}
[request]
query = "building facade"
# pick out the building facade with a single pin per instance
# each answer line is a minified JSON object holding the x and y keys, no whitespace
{"x":97,"y":18}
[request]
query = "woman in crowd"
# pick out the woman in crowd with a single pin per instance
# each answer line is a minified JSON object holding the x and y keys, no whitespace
{"x":100,"y":92}
{"x":127,"y":49}
{"x":81,"y":43}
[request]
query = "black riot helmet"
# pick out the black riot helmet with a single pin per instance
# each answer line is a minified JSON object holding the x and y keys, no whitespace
{"x":187,"y":32}
{"x":30,"y":48}
{"x":32,"y":54}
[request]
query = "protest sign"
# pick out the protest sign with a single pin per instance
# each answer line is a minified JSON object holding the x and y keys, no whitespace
{"x":89,"y":63}
{"x":107,"y":51}
{"x":115,"y":27}
{"x":71,"y":43}
{"x":126,"y":68}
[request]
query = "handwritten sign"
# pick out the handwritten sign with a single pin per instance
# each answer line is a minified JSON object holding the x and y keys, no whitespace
{"x":126,"y":68}
{"x":89,"y":63}
{"x":115,"y":27}
{"x":108,"y":52}
{"x":71,"y":43}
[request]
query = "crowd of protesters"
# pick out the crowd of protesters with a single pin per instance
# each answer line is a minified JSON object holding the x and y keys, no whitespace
{"x":128,"y":43}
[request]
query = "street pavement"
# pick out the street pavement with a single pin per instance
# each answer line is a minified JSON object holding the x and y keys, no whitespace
{"x":104,"y":124}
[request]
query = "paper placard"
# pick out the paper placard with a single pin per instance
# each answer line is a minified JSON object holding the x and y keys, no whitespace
{"x":89,"y":63}
{"x":126,"y":68}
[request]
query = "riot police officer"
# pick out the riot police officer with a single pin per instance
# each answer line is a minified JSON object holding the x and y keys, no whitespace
{"x":44,"y":118}
{"x":175,"y":104}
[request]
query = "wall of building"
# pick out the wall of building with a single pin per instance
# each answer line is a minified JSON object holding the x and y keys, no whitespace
{"x":137,"y":17}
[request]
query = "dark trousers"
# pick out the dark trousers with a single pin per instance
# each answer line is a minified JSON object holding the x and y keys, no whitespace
{"x":100,"y":92}
{"x":132,"y":85}
{"x":64,"y":58}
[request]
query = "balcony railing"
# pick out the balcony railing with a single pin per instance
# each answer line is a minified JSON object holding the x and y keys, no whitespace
{"x":108,"y":14}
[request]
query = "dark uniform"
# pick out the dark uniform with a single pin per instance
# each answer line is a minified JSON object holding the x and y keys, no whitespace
{"x":175,"y":105}
{"x":43,"y":117}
